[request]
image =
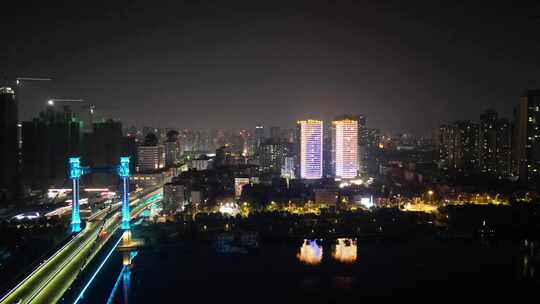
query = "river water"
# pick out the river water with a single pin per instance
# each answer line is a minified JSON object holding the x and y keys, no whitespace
{"x":323,"y":271}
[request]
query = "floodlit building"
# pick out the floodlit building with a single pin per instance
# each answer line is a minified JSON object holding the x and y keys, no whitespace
{"x":345,"y":147}
{"x":310,"y":148}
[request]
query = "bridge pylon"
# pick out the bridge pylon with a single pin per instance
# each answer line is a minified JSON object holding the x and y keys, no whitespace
{"x":123,"y":172}
{"x":75,"y":173}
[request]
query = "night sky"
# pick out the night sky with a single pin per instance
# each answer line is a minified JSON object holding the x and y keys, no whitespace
{"x":407,"y":65}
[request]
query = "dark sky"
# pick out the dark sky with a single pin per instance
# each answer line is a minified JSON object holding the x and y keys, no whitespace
{"x":407,"y":65}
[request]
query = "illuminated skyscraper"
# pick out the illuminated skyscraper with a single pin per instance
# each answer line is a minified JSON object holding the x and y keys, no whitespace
{"x":310,"y":148}
{"x":345,"y":147}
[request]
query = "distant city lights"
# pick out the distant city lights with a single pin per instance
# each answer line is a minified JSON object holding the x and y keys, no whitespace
{"x":366,"y":202}
{"x":229,"y":208}
{"x":27,"y":215}
{"x":82,"y":201}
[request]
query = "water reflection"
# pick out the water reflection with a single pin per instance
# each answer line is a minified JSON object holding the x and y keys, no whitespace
{"x":124,"y":278}
{"x":529,"y":261}
{"x":344,"y":282}
{"x":310,"y":253}
{"x":345,"y":250}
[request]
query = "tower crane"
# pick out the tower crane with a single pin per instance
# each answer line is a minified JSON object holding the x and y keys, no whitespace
{"x":53,"y":100}
{"x":19,"y":80}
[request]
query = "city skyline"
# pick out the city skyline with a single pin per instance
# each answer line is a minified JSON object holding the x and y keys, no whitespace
{"x":191,"y":61}
{"x":217,"y":151}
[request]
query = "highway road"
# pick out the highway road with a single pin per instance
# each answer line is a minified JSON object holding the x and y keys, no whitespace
{"x":48,"y":282}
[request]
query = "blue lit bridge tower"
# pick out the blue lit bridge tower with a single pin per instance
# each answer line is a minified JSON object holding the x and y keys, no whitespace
{"x":75,"y":173}
{"x":123,"y":172}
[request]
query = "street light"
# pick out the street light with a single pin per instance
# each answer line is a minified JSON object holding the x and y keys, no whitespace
{"x":430,"y":194}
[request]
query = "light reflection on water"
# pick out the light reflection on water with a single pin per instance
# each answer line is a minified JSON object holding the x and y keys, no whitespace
{"x":344,"y":251}
{"x":310,"y":252}
{"x":530,"y":257}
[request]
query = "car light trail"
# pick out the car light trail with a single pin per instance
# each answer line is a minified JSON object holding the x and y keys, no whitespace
{"x":49,"y":280}
{"x":36,"y":269}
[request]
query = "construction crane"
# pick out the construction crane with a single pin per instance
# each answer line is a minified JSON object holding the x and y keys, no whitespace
{"x":53,"y":100}
{"x":19,"y":80}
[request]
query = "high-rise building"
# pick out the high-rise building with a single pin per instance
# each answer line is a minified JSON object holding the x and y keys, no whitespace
{"x":175,"y":196}
{"x":48,"y":141}
{"x":487,"y":136}
{"x":150,"y":158}
{"x":151,"y":154}
{"x":444,"y":143}
{"x":272,"y":155}
{"x":494,"y":149}
{"x":103,"y":148}
{"x":463,"y":148}
{"x":275,"y":133}
{"x":36,"y":154}
{"x":345,"y":147}
{"x":259,"y":138}
{"x":287,"y":170}
{"x":526,"y":139}
{"x":289,"y":135}
{"x":310,"y":148}
{"x":363,"y":148}
{"x":130,"y":148}
{"x":171,"y":153}
{"x":370,"y":151}
{"x":8,"y":138}
{"x":172,"y":148}
{"x":328,"y":152}
{"x":246,"y":138}
{"x":504,"y":147}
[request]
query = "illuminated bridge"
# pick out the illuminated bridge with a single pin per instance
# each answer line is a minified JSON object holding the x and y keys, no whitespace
{"x":50,"y":280}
